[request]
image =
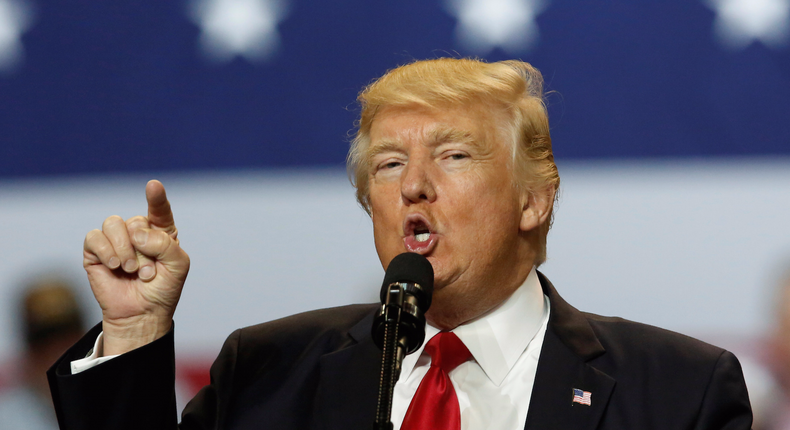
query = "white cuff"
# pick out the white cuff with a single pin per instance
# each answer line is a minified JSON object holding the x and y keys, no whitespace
{"x":93,"y":359}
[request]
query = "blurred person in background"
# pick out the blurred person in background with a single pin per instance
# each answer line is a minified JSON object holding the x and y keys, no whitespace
{"x":769,"y":382}
{"x":51,"y":320}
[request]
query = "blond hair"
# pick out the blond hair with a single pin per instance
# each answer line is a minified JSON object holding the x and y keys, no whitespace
{"x":514,"y":85}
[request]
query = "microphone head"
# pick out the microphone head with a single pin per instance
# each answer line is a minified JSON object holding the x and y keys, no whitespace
{"x":411,"y":268}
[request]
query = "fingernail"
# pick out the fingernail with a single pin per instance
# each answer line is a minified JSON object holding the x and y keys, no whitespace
{"x":141,"y":237}
{"x":130,"y":265}
{"x":146,"y":272}
{"x":114,"y":262}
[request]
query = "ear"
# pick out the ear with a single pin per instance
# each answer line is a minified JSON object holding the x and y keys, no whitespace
{"x":536,"y":208}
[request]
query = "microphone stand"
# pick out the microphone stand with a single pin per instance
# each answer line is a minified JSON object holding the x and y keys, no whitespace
{"x":391,"y":356}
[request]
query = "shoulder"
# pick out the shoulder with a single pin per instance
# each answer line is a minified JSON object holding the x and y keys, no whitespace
{"x":659,"y":376}
{"x":658,"y":368}
{"x":322,"y":330}
{"x":629,"y":339}
{"x":266,"y":369}
{"x":642,"y":355}
{"x":620,"y":341}
{"x":315,"y":322}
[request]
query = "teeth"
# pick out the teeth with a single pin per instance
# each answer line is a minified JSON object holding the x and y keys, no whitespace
{"x":422,"y":237}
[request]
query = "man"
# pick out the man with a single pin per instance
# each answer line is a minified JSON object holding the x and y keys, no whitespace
{"x":453,"y":161}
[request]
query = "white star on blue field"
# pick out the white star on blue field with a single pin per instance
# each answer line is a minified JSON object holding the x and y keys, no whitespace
{"x":739,"y":23}
{"x":16,"y":17}
{"x":484,"y":25}
{"x":244,"y":28}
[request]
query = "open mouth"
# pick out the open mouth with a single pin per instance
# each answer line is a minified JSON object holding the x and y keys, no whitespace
{"x":418,"y":234}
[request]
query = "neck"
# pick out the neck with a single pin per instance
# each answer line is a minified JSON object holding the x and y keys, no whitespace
{"x":453,"y":307}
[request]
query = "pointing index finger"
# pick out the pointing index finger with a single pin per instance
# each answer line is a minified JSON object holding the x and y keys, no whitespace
{"x":159,"y":214}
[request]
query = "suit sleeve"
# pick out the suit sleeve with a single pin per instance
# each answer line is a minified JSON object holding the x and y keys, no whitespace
{"x":208,"y":409}
{"x":136,"y":390}
{"x":132,"y":391}
{"x":726,"y":403}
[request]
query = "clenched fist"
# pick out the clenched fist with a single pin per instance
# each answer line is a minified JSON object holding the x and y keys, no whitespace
{"x":136,"y":270}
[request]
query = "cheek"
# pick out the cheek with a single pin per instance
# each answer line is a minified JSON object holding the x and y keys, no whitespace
{"x":383,"y":240}
{"x":382,"y":226}
{"x":492,"y":216}
{"x":384,"y":214}
{"x":484,"y":201}
{"x":380,"y":203}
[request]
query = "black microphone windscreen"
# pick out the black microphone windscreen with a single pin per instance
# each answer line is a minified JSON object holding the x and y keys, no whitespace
{"x":412,"y":268}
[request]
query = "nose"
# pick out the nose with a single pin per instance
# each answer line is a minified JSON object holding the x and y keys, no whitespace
{"x":417,"y":182}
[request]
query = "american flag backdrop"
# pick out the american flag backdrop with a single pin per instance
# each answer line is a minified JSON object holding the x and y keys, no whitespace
{"x":670,"y":122}
{"x":225,"y":84}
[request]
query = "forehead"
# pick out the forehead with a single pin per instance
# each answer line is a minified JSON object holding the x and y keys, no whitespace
{"x":473,"y":123}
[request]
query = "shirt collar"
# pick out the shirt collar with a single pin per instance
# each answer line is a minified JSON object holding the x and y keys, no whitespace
{"x":496,"y":339}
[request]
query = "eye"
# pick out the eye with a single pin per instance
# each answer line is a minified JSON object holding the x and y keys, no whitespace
{"x":390,"y":165}
{"x":455,"y":155}
{"x":455,"y":158}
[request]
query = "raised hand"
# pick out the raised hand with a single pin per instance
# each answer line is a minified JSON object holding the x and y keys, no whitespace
{"x":136,"y":269}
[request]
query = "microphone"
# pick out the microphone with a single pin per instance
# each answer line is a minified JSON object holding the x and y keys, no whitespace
{"x":408,"y":288}
{"x":399,"y":326}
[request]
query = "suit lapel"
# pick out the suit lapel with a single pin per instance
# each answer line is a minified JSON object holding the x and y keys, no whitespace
{"x":569,"y":345}
{"x":348,"y":390}
{"x":559,"y":372}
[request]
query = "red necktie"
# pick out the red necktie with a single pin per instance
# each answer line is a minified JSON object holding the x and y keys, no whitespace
{"x":435,"y":405}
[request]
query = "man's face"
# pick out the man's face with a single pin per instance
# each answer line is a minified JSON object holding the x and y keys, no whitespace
{"x":441,"y":186}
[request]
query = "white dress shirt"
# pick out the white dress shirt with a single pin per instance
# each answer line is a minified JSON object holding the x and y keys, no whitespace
{"x":495,"y":387}
{"x":94,"y":358}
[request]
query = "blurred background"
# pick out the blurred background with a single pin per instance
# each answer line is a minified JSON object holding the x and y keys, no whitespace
{"x":670,"y":122}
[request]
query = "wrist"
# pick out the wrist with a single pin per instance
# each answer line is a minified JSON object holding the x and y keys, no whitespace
{"x":131,"y":333}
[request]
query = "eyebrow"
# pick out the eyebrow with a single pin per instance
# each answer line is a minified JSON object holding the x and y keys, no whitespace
{"x":384,"y":145}
{"x":436,"y":137}
{"x":441,"y":135}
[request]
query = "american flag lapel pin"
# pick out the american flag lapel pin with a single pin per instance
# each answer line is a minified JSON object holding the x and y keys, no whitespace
{"x":581,"y":397}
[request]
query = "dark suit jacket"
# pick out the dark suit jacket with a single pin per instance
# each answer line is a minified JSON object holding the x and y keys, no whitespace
{"x":319,"y":370}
